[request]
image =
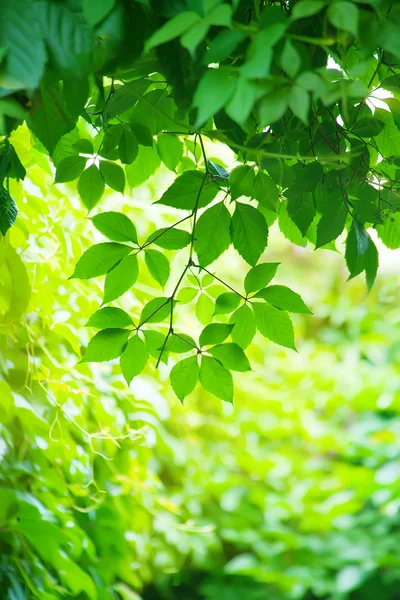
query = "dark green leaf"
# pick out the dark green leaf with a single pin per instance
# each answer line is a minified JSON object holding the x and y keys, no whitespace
{"x":128,"y":147}
{"x":8,"y":210}
{"x":121,"y":278}
{"x":231,"y":356}
{"x":96,"y":11}
{"x":75,"y":92}
{"x":116,"y":226}
{"x":260,"y":276}
{"x":134,"y":358}
{"x":184,"y":376}
{"x":284,"y":298}
{"x":213,"y":92}
{"x":109,"y":317}
{"x":70,"y":168}
{"x":113,"y":176}
{"x":265,"y":191}
{"x":173,"y":28}
{"x":49,"y":119}
{"x":215,"y":379}
{"x":301,"y":210}
{"x":184,"y":192}
{"x":158,"y":266}
{"x":215,"y":333}
{"x":223,"y":44}
{"x":90,"y":186}
{"x":106,"y":345}
{"x":249,"y":232}
{"x":274,"y":324}
{"x":212,"y":235}
{"x":273,"y":107}
{"x":344,"y":15}
{"x":368,"y":127}
{"x":371,"y":260}
{"x":125,"y":97}
{"x":331,"y":224}
{"x":99,"y":259}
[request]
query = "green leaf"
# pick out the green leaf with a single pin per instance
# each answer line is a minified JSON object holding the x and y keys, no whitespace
{"x":158,"y":266}
{"x":106,"y":345}
{"x":212,"y":235}
{"x":215,"y":379}
{"x":83,"y":146}
{"x":69,"y":169}
{"x":213,"y":92}
{"x":187,"y":294}
{"x":273,"y":107}
{"x":183,"y":193}
{"x":128,"y":147}
{"x":173,"y":28}
{"x":90,"y":186}
{"x":154,"y":341}
{"x":26,"y":53}
{"x":242,"y":101}
{"x":244,"y":326}
{"x":170,"y":238}
{"x":184,"y":376}
{"x":215,"y":333}
{"x":99,"y":259}
{"x":331,"y":224}
{"x":368,"y":127}
{"x":96,"y":11}
{"x":226,"y":303}
{"x":299,"y":103}
{"x":231,"y":356}
{"x":274,"y":324}
{"x":121,"y":278}
{"x":116,"y":226}
{"x":389,"y":232}
{"x":155,"y":110}
{"x":204,"y":309}
{"x":76,"y":92}
{"x":155,"y":311}
{"x":284,"y":298}
{"x":344,"y":15}
{"x":306,"y":8}
{"x":170,"y":149}
{"x":290,"y":59}
{"x":301,"y":210}
{"x":288,"y":227}
{"x":180,"y":343}
{"x":113,"y":175}
{"x":145,"y":164}
{"x":260,"y":53}
{"x":241,"y":182}
{"x":134,"y":358}
{"x":8,"y":210}
{"x":49,"y":119}
{"x":371,"y":261}
{"x":220,"y":14}
{"x":110,"y":318}
{"x":222,"y":45}
{"x":249,"y":232}
{"x":124,"y":98}
{"x":265,"y":191}
{"x":260,"y":276}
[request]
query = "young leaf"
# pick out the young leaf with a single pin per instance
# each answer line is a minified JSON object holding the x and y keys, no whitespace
{"x":134,"y":358}
{"x":226,"y":303}
{"x":241,"y":181}
{"x":184,"y":192}
{"x":113,"y":175}
{"x":99,"y":259}
{"x":184,"y":376}
{"x":215,"y":379}
{"x":274,"y":324}
{"x":128,"y":147}
{"x":170,"y":238}
{"x":260,"y":276}
{"x":249,"y":232}
{"x":69,"y":168}
{"x":244,"y":324}
{"x":155,"y":311}
{"x":170,"y":149}
{"x":212,"y":235}
{"x":158,"y":266}
{"x":91,"y":186}
{"x":120,"y":279}
{"x":116,"y":226}
{"x":109,"y":318}
{"x":284,"y":298}
{"x":106,"y":345}
{"x":215,"y":333}
{"x":231,"y":356}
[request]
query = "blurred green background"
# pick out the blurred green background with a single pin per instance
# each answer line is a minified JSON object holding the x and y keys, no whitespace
{"x":108,"y":493}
